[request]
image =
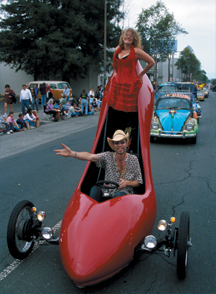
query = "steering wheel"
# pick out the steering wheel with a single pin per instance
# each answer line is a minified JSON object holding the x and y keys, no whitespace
{"x":114,"y":184}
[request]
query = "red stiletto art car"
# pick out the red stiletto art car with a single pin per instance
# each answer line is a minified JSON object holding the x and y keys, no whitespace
{"x":97,"y":240}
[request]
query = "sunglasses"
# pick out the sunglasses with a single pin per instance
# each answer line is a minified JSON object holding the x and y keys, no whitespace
{"x":120,"y":142}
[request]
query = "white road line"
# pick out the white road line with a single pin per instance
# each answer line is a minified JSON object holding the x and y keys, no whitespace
{"x":17,"y":262}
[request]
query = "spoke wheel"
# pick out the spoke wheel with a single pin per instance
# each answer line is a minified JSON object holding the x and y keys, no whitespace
{"x":19,"y":241}
{"x":183,"y":245}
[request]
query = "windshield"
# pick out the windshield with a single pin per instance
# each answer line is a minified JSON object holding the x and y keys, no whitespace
{"x":176,"y":103}
{"x":53,"y":86}
{"x":167,"y":89}
{"x":185,"y":88}
{"x":61,"y":85}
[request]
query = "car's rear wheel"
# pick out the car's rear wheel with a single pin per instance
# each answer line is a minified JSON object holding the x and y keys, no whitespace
{"x":183,"y":244}
{"x":20,"y":242}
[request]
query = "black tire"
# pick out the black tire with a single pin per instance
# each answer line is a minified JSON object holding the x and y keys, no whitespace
{"x":183,"y":244}
{"x":20,"y":245}
{"x":152,"y":139}
{"x":193,"y":140}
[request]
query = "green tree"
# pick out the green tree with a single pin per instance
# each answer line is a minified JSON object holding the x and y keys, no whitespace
{"x":158,"y":30}
{"x":213,"y":82}
{"x":49,"y":37}
{"x":201,"y":77}
{"x":190,"y":65}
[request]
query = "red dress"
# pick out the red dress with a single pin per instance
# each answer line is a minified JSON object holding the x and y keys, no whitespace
{"x":124,"y":88}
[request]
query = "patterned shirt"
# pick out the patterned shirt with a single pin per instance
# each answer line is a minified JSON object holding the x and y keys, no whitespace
{"x":132,"y":173}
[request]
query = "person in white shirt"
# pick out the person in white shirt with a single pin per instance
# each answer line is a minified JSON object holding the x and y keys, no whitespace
{"x":91,"y":95}
{"x":66,"y":91}
{"x":30,"y":118}
{"x":25,"y":98}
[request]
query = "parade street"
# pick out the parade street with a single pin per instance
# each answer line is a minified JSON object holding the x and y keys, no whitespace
{"x":184,"y":179}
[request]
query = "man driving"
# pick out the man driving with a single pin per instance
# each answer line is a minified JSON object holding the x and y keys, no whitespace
{"x":120,"y":167}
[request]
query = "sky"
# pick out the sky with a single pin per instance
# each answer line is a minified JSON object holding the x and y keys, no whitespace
{"x":197,"y":17}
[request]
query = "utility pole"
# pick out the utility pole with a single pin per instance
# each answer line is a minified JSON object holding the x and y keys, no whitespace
{"x":105,"y":39}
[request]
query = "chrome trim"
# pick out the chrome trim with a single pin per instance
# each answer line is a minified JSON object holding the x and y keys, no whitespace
{"x":164,"y":135}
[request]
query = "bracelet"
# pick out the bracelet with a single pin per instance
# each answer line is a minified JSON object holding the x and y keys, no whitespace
{"x":75,"y":155}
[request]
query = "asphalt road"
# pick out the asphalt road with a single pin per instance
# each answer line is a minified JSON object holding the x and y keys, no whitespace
{"x":184,"y":179}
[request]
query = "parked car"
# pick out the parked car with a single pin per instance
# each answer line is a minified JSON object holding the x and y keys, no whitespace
{"x":165,"y":88}
{"x":197,"y":108}
{"x":174,"y":117}
{"x":200,"y":95}
{"x":186,"y":89}
{"x":206,"y":92}
{"x":56,"y":86}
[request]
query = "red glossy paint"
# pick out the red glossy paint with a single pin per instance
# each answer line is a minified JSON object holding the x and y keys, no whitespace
{"x":97,"y":240}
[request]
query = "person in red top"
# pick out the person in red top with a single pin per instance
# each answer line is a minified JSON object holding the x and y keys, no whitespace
{"x":8,"y":99}
{"x":121,"y":92}
{"x":125,"y":83}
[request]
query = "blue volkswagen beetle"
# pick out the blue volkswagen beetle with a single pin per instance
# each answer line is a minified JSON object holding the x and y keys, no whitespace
{"x":174,"y":117}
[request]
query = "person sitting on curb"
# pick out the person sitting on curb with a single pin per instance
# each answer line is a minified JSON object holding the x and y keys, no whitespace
{"x":72,"y":112}
{"x":30,"y":118}
{"x":77,"y":109}
{"x":21,"y":123}
{"x":5,"y":122}
{"x":51,"y":110}
{"x":63,"y":107}
{"x":11,"y":120}
{"x":90,"y":109}
{"x":37,"y":118}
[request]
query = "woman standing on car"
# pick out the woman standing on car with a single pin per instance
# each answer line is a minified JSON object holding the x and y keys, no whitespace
{"x":125,"y":83}
{"x":121,"y":92}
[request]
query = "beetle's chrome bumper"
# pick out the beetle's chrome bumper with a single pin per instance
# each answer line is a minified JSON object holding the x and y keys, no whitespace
{"x":183,"y":135}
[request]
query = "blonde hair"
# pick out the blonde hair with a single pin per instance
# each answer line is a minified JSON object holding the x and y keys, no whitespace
{"x":136,"y":36}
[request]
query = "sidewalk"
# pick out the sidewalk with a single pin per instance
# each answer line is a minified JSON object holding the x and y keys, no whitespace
{"x":47,"y":132}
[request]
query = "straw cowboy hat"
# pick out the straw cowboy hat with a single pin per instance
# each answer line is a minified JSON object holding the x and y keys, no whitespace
{"x":117,"y":136}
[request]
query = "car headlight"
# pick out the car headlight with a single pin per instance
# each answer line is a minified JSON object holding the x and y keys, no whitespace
{"x":189,"y":127}
{"x":41,"y":216}
{"x":150,"y":242}
{"x":155,"y":126}
{"x":47,"y":233}
{"x":162,"y":225}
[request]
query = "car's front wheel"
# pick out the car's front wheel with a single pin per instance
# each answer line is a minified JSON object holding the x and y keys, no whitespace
{"x":193,"y":140}
{"x":183,"y":244}
{"x":19,"y":240}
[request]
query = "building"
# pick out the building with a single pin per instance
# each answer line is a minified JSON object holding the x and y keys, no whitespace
{"x":166,"y":69}
{"x":17,"y":79}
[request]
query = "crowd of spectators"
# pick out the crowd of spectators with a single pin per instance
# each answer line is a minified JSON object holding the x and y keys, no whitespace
{"x":86,"y":104}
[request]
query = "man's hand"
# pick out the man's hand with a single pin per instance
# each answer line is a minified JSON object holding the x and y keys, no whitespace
{"x":122,"y":184}
{"x":66,"y":152}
